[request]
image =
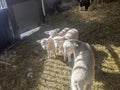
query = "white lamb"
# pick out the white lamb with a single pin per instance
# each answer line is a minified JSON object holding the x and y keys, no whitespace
{"x":83,"y":71}
{"x":72,"y":34}
{"x":52,"y":33}
{"x":58,"y":44}
{"x":63,"y":32}
{"x":48,"y":44}
{"x":59,"y":40}
{"x":43,"y":42}
{"x":68,"y":50}
{"x":60,"y":37}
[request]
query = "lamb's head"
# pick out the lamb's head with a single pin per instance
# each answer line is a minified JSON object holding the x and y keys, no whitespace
{"x":58,"y":41}
{"x":43,"y":43}
{"x":52,"y":33}
{"x":64,"y":31}
{"x":70,"y":46}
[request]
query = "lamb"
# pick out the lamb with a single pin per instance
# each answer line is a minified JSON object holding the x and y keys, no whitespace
{"x":60,"y":37}
{"x":59,"y":40}
{"x":48,"y":44}
{"x":72,"y":34}
{"x":68,"y":50}
{"x":83,"y":71}
{"x":43,"y":43}
{"x":58,"y":44}
{"x":53,"y":33}
{"x":56,"y":36}
{"x":63,"y":32}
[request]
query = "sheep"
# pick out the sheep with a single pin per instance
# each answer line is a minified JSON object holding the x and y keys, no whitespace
{"x":83,"y":71}
{"x":48,"y":44}
{"x":85,"y":3}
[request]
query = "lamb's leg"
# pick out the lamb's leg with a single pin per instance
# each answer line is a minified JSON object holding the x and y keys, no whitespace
{"x":80,"y":6}
{"x":48,"y":52}
{"x":77,"y":85}
{"x":58,"y":50}
{"x":65,"y":55}
{"x":54,"y":53}
{"x":74,"y":55}
{"x":73,"y":86}
{"x":81,"y":85}
{"x":69,"y":58}
{"x":88,"y":87}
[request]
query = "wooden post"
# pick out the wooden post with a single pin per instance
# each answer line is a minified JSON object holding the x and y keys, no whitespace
{"x":13,"y":20}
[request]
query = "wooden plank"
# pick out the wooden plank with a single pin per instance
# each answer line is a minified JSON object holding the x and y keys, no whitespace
{"x":12,"y":2}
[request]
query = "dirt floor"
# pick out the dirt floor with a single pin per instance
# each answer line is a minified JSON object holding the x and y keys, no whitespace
{"x":28,"y":68}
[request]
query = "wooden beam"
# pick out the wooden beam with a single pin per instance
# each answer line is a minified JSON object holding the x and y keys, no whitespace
{"x":40,"y":11}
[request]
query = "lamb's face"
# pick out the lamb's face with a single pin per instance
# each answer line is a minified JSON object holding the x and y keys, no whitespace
{"x":70,"y":46}
{"x":43,"y":43}
{"x":70,"y":49}
{"x":58,"y":41}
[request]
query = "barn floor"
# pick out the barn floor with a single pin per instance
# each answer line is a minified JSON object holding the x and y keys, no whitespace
{"x":28,"y":68}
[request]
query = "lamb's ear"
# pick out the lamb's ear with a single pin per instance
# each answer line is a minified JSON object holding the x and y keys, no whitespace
{"x":75,"y":44}
{"x":62,"y":38}
{"x":46,"y":32}
{"x":66,"y":28}
{"x":57,"y":29}
{"x":38,"y":41}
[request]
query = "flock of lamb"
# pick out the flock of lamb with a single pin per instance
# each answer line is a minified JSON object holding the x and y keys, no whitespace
{"x":66,"y":42}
